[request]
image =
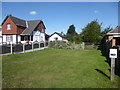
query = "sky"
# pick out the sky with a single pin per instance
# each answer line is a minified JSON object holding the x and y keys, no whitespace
{"x":58,"y":16}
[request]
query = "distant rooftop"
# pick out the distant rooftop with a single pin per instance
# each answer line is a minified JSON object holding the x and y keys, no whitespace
{"x":114,"y":31}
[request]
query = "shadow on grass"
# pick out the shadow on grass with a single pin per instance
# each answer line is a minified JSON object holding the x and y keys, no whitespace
{"x":102,"y":73}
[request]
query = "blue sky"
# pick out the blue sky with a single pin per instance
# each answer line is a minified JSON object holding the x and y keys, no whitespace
{"x":58,"y":16}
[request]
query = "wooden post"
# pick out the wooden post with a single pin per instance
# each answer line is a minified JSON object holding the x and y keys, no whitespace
{"x":112,"y":69}
{"x":11,"y":48}
{"x":44,"y":43}
{"x":33,"y":46}
{"x":83,"y":45}
{"x":39,"y":44}
{"x":23,"y":48}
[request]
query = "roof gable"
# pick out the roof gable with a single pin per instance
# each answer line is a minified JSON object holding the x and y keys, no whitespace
{"x":63,"y":36}
{"x":31,"y":26}
{"x":115,"y":31}
{"x":16,"y":21}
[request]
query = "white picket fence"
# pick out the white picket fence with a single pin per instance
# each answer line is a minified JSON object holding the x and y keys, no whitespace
{"x":28,"y":50}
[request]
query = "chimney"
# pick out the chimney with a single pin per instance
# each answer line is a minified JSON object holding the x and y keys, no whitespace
{"x":62,"y":33}
{"x":26,"y":24}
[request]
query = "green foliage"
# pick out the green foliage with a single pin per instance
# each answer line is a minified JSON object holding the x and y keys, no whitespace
{"x":64,"y":45}
{"x":71,"y":30}
{"x":92,"y":32}
{"x":72,"y":35}
{"x":59,"y":45}
{"x":106,"y":30}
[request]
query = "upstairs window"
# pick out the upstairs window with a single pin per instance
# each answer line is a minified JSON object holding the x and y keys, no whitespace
{"x":43,"y":29}
{"x":8,"y":26}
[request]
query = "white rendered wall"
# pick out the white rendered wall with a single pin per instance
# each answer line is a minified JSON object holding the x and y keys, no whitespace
{"x":38,"y":36}
{"x":19,"y":38}
{"x":14,"y":39}
{"x":4,"y":38}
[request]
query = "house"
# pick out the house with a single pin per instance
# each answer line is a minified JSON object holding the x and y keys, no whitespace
{"x":0,"y":36}
{"x":16,"y":30}
{"x":47,"y":37}
{"x":58,"y":37}
{"x":113,"y":37}
{"x":110,"y":40}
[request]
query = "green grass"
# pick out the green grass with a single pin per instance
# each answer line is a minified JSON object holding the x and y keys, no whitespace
{"x":57,"y":68}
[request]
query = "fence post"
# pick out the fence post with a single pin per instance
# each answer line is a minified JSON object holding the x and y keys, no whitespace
{"x":32,"y":46}
{"x":83,"y":45}
{"x":44,"y":43}
{"x":23,"y":48}
{"x":39,"y":44}
{"x":112,"y":69}
{"x":11,"y":48}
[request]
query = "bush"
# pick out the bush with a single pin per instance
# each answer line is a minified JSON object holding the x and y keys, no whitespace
{"x":63,"y":45}
{"x":59,"y":44}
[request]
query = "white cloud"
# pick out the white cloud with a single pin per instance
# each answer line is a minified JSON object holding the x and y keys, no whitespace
{"x":96,"y":11}
{"x":33,"y":12}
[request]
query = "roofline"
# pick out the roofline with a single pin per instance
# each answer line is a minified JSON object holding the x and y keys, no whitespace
{"x":57,"y":34}
{"x":113,"y":33}
{"x":4,"y":20}
{"x":25,"y":34}
{"x":33,"y":29}
{"x":54,"y":33}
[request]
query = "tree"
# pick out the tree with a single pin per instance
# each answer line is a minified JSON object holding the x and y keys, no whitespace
{"x":70,"y":33}
{"x":106,"y":30}
{"x":92,"y":32}
{"x":71,"y":30}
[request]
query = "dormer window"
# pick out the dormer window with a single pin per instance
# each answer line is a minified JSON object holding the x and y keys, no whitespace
{"x":8,"y":26}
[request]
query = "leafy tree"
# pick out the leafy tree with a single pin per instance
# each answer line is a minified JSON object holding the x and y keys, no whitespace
{"x":92,"y":32}
{"x":106,"y":30}
{"x":71,"y":30}
{"x":70,"y":33}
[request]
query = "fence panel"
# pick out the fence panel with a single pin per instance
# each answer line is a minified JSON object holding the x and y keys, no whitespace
{"x":28,"y":46}
{"x":36,"y":45}
{"x":41,"y":44}
{"x":89,"y":45}
{"x":18,"y":48}
{"x":5,"y":49}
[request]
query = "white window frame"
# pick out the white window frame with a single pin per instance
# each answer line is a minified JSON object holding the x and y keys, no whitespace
{"x":9,"y":38}
{"x":8,"y":26}
{"x":43,"y":29}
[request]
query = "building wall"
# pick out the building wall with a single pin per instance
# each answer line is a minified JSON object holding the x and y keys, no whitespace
{"x":14,"y":39}
{"x":19,"y":38}
{"x":4,"y":38}
{"x":20,"y":30}
{"x":52,"y":38}
{"x":38,"y":36}
{"x":0,"y":36}
{"x":13,"y":27}
{"x":40,"y":27}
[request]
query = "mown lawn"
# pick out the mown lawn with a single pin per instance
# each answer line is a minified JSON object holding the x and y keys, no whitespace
{"x":57,"y":68}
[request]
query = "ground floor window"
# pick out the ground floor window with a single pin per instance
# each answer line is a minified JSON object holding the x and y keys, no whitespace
{"x":26,"y":38}
{"x":31,"y":38}
{"x":22,"y":38}
{"x":9,"y":38}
